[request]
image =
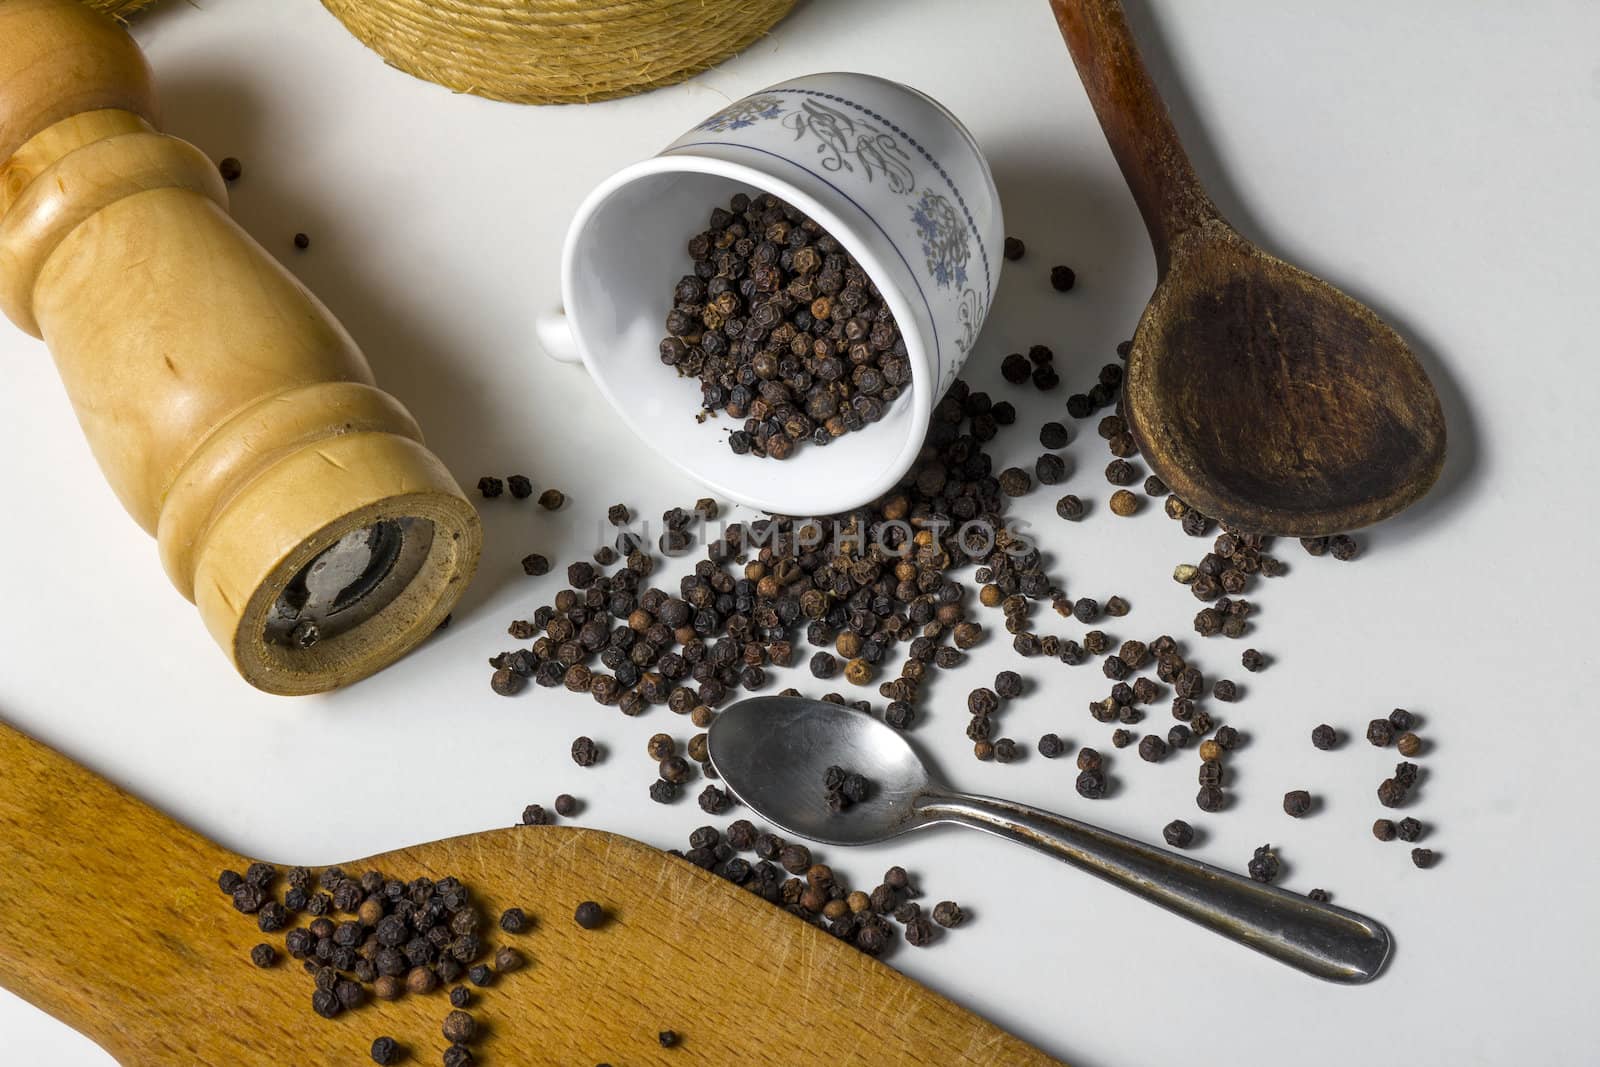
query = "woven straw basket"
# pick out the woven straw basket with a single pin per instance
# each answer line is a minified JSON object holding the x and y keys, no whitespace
{"x":557,"y":51}
{"x":118,"y":8}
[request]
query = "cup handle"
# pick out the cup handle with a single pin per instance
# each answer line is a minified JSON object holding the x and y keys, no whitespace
{"x":554,"y":334}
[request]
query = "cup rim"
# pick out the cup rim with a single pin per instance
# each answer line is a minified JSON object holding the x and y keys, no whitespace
{"x":818,"y":500}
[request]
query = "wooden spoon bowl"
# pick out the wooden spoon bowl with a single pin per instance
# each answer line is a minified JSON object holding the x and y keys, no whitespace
{"x":112,"y":922}
{"x":1258,"y":393}
{"x":1264,"y":396}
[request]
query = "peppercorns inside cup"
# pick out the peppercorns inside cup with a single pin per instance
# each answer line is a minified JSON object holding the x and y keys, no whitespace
{"x":783,"y":330}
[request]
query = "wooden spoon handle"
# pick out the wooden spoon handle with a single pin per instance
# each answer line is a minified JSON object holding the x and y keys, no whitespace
{"x":105,"y":917}
{"x":1135,"y":121}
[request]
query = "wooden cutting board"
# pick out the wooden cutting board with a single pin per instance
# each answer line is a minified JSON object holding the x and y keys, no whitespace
{"x":111,"y":920}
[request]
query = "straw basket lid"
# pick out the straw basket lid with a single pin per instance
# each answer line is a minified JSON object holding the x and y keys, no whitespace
{"x":557,"y":51}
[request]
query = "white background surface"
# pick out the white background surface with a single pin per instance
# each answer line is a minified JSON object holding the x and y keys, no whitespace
{"x":1438,"y":160}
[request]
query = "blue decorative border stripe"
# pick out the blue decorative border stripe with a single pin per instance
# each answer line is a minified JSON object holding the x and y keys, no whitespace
{"x":933,"y":324}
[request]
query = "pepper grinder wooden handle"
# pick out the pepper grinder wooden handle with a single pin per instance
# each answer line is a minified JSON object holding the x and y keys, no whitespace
{"x":291,"y":499}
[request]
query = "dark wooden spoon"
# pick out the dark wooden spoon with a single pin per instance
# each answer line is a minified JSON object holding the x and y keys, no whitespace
{"x":1260,"y":394}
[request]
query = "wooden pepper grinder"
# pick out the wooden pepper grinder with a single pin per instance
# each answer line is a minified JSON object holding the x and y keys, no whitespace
{"x":291,"y":499}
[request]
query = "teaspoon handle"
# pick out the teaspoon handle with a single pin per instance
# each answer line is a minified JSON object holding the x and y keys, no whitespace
{"x":1320,"y":939}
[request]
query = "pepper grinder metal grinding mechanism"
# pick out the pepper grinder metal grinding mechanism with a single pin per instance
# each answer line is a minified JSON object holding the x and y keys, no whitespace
{"x":291,"y":499}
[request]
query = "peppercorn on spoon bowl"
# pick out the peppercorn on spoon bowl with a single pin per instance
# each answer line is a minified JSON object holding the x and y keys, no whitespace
{"x":773,"y":753}
{"x":113,"y":923}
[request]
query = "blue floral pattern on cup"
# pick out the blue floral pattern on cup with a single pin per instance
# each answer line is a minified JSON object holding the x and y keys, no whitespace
{"x":946,"y":242}
{"x":744,"y":113}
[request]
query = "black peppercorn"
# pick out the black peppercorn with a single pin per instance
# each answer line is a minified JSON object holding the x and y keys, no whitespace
{"x":1152,"y":749}
{"x":1210,"y":798}
{"x":459,"y":1028}
{"x":1070,"y":508}
{"x":674,"y":769}
{"x":589,"y":915}
{"x":1384,"y":830}
{"x":1408,"y":829}
{"x":1379,"y":732}
{"x":1014,"y":248}
{"x":1391,"y":794}
{"x":1091,"y":784}
{"x":385,"y":1051}
{"x":1264,"y":864}
{"x":507,"y":682}
{"x":585,"y":753}
{"x":714,"y":801}
{"x":1296,"y":803}
{"x":1402,"y":720}
{"x":1051,"y":746}
{"x":1178,"y":833}
{"x":1062,"y":278}
{"x":1422,"y":857}
{"x":325,"y":1003}
{"x":1324,"y":737}
{"x":264,"y":955}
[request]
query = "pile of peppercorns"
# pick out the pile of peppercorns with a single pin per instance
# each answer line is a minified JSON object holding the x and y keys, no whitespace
{"x":738,"y":612}
{"x":783,"y":329}
{"x":786,"y":874}
{"x":398,"y":939}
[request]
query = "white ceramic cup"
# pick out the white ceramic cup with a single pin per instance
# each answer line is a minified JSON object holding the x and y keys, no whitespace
{"x":886,"y":170}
